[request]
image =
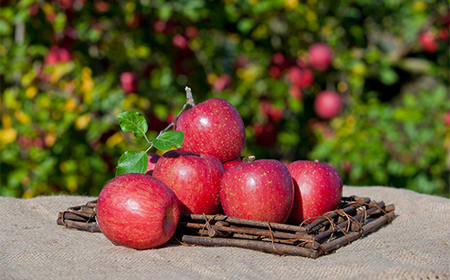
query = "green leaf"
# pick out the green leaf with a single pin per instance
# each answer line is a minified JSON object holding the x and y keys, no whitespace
{"x":169,"y":139}
{"x":133,"y":121}
{"x":132,"y":162}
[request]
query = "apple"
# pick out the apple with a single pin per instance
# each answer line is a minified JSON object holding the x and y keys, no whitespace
{"x":301,"y":77}
{"x":266,"y":134}
{"x":318,"y":189}
{"x":222,"y":82}
{"x":52,"y":56}
{"x":447,"y":118}
{"x":428,"y":42}
{"x":272,"y":112}
{"x":152,"y":160}
{"x":279,"y":62}
{"x":64,"y":55}
{"x":191,"y":32}
{"x":213,"y":127}
{"x":129,"y":82}
{"x":320,"y":56}
{"x":257,"y":190}
{"x":328,"y":104}
{"x":137,"y":211}
{"x":230,"y":163}
{"x":180,"y":41}
{"x":195,"y":179}
{"x":443,"y":34}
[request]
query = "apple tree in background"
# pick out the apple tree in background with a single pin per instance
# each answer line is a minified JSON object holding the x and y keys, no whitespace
{"x":68,"y":68}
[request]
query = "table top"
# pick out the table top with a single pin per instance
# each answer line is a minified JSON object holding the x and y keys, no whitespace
{"x":416,"y":244}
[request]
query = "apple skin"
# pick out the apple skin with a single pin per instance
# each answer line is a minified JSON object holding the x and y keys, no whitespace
{"x":266,"y":134}
{"x":328,"y":104}
{"x":213,"y":127}
{"x":195,"y":179}
{"x":318,"y":189}
{"x":152,"y":160}
{"x":447,"y":118}
{"x":230,"y":163}
{"x":428,"y":42}
{"x":129,"y":82}
{"x":137,"y":211}
{"x":320,"y":56}
{"x":262,"y":190}
{"x":301,"y":77}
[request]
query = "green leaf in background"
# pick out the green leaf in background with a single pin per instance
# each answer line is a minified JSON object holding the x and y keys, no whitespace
{"x":169,"y":138}
{"x":133,"y":121}
{"x":132,"y":162}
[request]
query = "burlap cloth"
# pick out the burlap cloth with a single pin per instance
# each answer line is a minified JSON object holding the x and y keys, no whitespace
{"x":414,"y":246}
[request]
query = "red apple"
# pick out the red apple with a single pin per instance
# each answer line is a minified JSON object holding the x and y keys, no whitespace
{"x":428,"y":42}
{"x":213,"y":127}
{"x":260,"y":190}
{"x":279,"y":62}
{"x":195,"y":179}
{"x":443,"y":34}
{"x":230,"y":163}
{"x":301,"y":77}
{"x":180,"y":41}
{"x":137,"y":211}
{"x":328,"y":104}
{"x":266,"y":134}
{"x":318,"y":189}
{"x":222,"y":82}
{"x":320,"y":56}
{"x":152,"y":160}
{"x":64,"y":55}
{"x":447,"y":118}
{"x":273,"y":113}
{"x":191,"y":32}
{"x":129,"y":82}
{"x":52,"y":56}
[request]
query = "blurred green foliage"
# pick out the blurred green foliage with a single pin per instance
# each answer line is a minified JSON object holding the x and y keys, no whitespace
{"x":61,"y":63}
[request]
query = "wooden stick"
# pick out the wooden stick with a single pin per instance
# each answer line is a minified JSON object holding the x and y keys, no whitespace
{"x":321,"y":222}
{"x":251,"y":244}
{"x":367,"y":228}
{"x":243,"y":222}
{"x":345,"y":224}
{"x":91,"y":227}
{"x":252,"y":231}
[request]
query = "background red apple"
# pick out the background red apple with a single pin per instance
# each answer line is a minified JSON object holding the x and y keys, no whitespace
{"x":320,"y":56}
{"x":213,"y":127}
{"x":195,"y":179}
{"x":266,"y":134}
{"x":328,"y":104}
{"x":129,"y":81}
{"x":318,"y":189}
{"x":260,"y":190}
{"x":222,"y":82}
{"x":428,"y":42}
{"x":180,"y":41}
{"x":137,"y":211}
{"x":447,"y":118}
{"x":152,"y":160}
{"x":301,"y":77}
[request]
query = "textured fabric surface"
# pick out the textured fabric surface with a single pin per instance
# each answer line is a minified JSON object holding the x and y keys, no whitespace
{"x":416,"y":245}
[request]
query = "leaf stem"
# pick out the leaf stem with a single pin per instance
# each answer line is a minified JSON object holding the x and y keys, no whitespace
{"x":189,"y":101}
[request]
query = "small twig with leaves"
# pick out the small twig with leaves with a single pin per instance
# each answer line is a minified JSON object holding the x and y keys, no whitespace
{"x":137,"y":161}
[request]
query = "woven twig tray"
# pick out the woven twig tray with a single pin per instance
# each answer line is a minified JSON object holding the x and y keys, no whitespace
{"x":355,"y":218}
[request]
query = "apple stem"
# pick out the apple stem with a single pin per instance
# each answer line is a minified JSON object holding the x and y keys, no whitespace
{"x":251,"y":159}
{"x":189,"y":101}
